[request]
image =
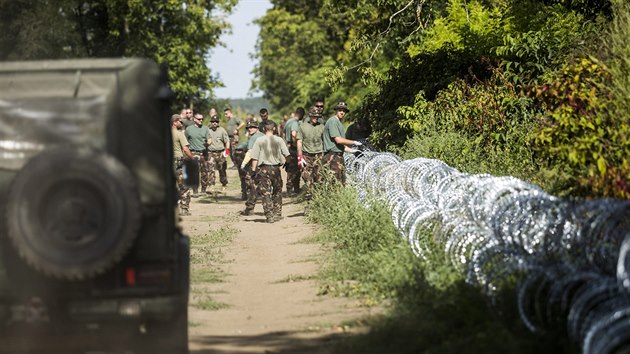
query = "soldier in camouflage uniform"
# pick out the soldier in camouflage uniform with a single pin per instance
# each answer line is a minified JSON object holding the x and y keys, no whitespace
{"x":268,"y":154}
{"x":252,"y":193}
{"x":311,"y":150}
{"x":233,"y":127}
{"x":218,"y":150}
{"x":198,"y":136}
{"x":335,"y":143}
{"x":180,"y":153}
{"x":293,"y":169}
{"x":238,"y":154}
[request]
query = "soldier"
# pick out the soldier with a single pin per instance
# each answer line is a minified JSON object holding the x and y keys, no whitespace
{"x":335,"y":143}
{"x":319,"y":104}
{"x":293,"y":170}
{"x":218,"y":150}
{"x":180,"y":153}
{"x":268,"y":154}
{"x":254,"y":134}
{"x":264,"y":117}
{"x":198,"y":136}
{"x":187,"y":117}
{"x":238,"y":153}
{"x":310,"y":150}
{"x":359,"y":130}
{"x":233,"y":127}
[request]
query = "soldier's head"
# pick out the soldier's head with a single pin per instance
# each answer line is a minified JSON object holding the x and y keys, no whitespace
{"x":198,"y":119}
{"x":269,"y":126}
{"x":214,"y":122}
{"x":319,"y":104}
{"x":227,"y":112}
{"x":314,"y":114}
{"x":341,"y":109}
{"x":264,"y":114}
{"x":186,"y":113}
{"x":212,"y":112}
{"x":252,"y":126}
{"x":176,"y":121}
{"x":299,"y":113}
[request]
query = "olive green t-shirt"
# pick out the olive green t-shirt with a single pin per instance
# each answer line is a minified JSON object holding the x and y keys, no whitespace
{"x":232,"y":124}
{"x":269,"y":150}
{"x":197,"y":136}
{"x":219,"y":139}
{"x":179,"y":141}
{"x":290,"y":126}
{"x":333,"y":129}
{"x":252,"y":140}
{"x":311,"y":136}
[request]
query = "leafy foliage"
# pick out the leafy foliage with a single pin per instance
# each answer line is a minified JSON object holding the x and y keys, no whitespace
{"x":176,"y":31}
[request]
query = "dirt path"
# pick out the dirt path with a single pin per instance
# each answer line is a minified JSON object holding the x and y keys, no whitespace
{"x":271,"y":297}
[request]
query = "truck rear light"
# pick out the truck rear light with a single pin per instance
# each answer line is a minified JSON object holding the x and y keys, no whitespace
{"x":130,"y":276}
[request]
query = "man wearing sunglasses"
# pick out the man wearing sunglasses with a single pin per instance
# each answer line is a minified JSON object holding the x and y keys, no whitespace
{"x":198,"y":136}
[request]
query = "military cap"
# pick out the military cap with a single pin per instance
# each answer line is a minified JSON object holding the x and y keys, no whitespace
{"x":252,"y":123}
{"x":314,"y":112}
{"x":214,"y":118}
{"x":342,"y":106}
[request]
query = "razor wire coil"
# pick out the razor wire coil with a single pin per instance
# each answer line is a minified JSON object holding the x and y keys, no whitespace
{"x":573,"y":256}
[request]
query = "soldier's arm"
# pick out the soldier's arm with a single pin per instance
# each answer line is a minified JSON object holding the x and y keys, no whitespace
{"x":187,"y":152}
{"x":246,"y":159}
{"x":343,"y":141}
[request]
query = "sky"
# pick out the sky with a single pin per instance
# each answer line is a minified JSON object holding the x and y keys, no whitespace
{"x":232,"y":64}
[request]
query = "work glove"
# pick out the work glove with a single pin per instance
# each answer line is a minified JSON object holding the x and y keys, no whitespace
{"x":301,"y":162}
{"x":352,"y":151}
{"x":226,"y":153}
{"x":357,"y":143}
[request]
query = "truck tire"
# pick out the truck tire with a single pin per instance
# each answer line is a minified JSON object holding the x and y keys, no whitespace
{"x":73,"y":212}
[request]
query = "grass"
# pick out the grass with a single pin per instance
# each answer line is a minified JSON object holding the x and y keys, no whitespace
{"x":206,"y":254}
{"x":292,"y":278}
{"x":429,"y":307}
{"x":207,"y":303}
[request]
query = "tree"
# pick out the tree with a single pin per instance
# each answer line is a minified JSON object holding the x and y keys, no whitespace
{"x":176,"y":31}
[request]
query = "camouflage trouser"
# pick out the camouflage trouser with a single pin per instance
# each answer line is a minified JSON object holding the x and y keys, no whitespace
{"x":293,"y":174}
{"x":335,"y":167}
{"x":269,"y":181}
{"x":238,"y":157}
{"x":216,"y":161}
{"x":233,"y":142}
{"x":204,"y":170}
{"x":252,"y":190}
{"x":183,"y":192}
{"x":312,"y":172}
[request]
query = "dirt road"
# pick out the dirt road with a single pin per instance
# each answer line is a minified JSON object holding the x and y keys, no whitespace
{"x":268,"y":301}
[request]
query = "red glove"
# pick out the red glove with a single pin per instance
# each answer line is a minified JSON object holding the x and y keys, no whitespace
{"x":226,"y":153}
{"x":301,"y":162}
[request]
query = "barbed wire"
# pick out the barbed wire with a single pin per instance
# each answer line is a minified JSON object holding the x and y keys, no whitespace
{"x":570,"y":257}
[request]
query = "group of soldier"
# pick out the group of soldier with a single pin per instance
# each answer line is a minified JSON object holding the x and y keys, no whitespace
{"x":308,"y":147}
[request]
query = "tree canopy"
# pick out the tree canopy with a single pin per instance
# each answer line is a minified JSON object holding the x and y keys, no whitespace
{"x":178,"y":32}
{"x":526,"y":87}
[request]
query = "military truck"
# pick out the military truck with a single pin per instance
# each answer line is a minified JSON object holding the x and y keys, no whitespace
{"x":91,"y":257}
